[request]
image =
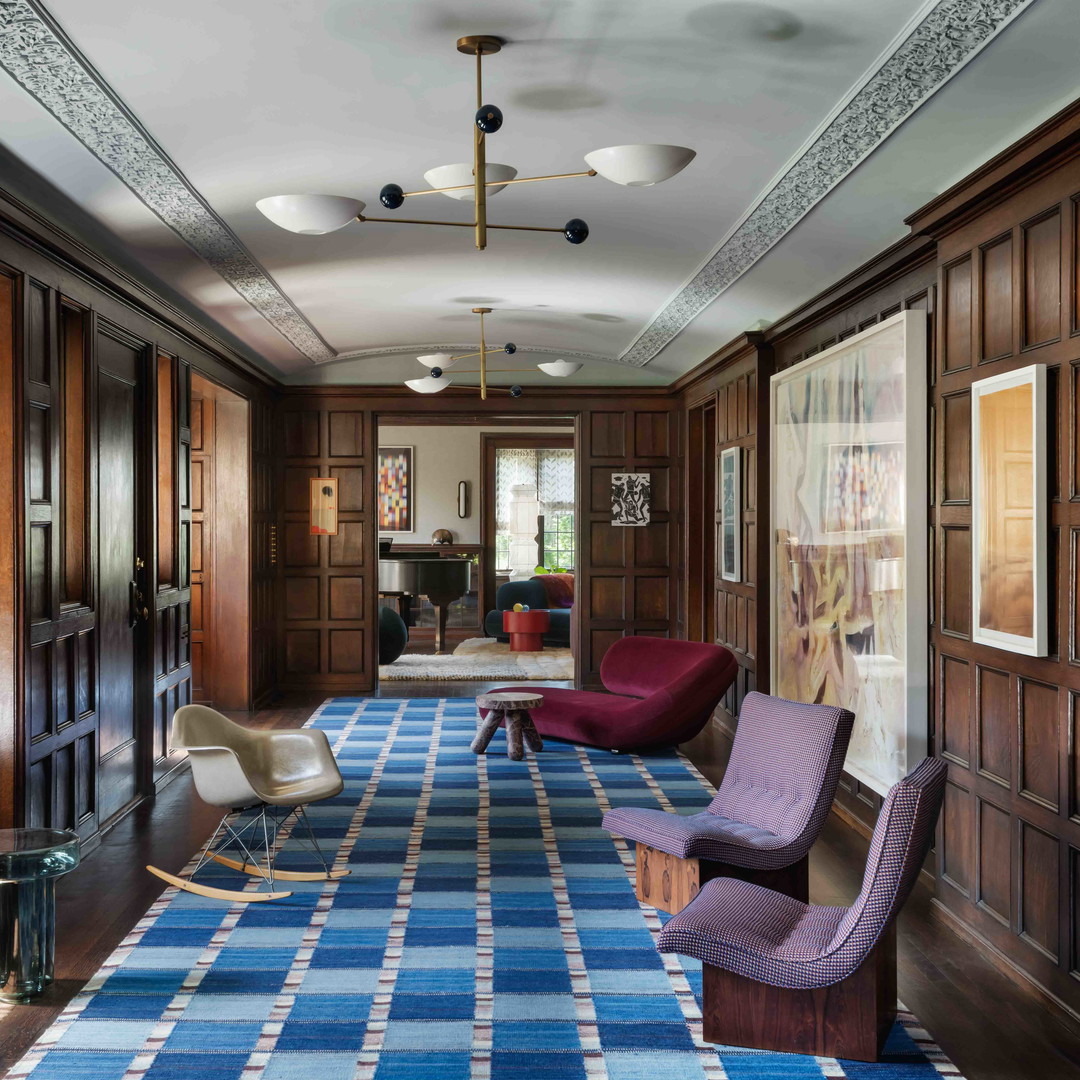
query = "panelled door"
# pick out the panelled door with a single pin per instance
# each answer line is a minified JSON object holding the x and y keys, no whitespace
{"x":122,"y":584}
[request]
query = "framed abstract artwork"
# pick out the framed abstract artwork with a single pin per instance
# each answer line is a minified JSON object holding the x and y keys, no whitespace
{"x":395,"y":494}
{"x":849,"y":538}
{"x":1009,"y":586}
{"x":324,"y":505}
{"x":731,"y":514}
{"x":630,"y":496}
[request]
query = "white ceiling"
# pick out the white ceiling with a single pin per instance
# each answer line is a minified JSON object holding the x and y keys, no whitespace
{"x":251,"y":99}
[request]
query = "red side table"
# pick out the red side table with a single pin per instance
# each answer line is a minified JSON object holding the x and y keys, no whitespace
{"x":526,"y":629}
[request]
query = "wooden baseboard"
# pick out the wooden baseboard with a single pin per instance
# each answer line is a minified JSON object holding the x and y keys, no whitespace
{"x":849,"y":819}
{"x":1008,"y":967}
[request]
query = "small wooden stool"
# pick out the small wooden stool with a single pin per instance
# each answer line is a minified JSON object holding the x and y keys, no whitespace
{"x":514,"y":708}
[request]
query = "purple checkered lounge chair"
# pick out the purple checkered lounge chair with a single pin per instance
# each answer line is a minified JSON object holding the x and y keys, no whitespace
{"x":783,"y":975}
{"x":776,"y":793}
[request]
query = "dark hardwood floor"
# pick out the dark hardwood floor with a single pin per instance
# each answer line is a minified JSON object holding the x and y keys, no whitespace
{"x":988,"y":1024}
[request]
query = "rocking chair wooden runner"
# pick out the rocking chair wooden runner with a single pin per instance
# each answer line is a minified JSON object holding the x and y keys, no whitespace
{"x":262,"y":774}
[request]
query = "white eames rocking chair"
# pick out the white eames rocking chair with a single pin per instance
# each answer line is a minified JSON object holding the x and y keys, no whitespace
{"x":262,"y":771}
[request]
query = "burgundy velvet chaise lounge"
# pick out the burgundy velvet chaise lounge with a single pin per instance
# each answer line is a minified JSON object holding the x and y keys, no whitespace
{"x":662,"y":693}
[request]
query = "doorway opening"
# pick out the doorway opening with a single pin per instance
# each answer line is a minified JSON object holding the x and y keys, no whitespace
{"x":443,"y":544}
{"x":220,"y":546}
{"x":701,"y":524}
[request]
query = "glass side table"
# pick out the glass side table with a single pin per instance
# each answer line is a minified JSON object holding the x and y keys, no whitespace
{"x":30,"y":862}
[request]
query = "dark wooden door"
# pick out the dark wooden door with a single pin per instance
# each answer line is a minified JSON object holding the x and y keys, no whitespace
{"x":121,"y":578}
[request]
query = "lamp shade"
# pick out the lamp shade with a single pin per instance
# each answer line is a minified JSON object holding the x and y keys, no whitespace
{"x":559,"y":368}
{"x":311,"y":215}
{"x":639,"y":164}
{"x":437,"y":359}
{"x":452,"y":175}
{"x":428,"y":385}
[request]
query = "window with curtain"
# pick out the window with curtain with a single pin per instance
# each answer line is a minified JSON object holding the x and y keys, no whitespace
{"x":531,"y":483}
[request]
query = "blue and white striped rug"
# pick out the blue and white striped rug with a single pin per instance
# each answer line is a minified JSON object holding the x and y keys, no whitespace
{"x":489,"y":931}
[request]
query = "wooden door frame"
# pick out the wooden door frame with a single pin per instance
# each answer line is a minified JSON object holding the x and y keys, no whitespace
{"x":700,"y":523}
{"x":488,"y":445}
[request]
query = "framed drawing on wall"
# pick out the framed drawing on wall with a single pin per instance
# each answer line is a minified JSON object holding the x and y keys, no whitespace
{"x":324,"y":505}
{"x":849,"y":539}
{"x":1009,"y":586}
{"x":395,"y":494}
{"x":731,"y":514}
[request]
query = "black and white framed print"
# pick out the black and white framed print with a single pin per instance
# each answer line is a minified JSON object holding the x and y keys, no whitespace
{"x":630,"y":496}
{"x":730,"y":506}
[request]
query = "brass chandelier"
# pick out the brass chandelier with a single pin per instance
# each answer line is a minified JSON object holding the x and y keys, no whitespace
{"x":437,"y":379}
{"x":633,"y":165}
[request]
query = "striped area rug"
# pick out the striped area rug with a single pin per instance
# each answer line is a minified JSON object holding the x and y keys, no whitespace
{"x":489,"y":931}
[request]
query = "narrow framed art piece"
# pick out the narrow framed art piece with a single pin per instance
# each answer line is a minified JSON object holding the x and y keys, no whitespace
{"x":1009,"y":587}
{"x":324,"y":505}
{"x":731,"y":514}
{"x":849,"y":537}
{"x":395,"y":493}
{"x":630,"y":497}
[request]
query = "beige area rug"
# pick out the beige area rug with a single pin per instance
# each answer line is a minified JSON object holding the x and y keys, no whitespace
{"x":481,"y":658}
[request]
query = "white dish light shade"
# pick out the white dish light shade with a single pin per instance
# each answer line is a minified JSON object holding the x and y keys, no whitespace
{"x":443,"y":176}
{"x":437,"y":359}
{"x":428,"y":385}
{"x":310,"y":215}
{"x":559,"y":368}
{"x":639,"y":164}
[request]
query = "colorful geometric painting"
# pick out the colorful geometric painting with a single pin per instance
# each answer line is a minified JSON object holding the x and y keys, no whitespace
{"x":395,"y":489}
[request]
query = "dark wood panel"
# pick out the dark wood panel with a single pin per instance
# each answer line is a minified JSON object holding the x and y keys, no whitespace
{"x":995,"y":861}
{"x":996,"y":298}
{"x":955,"y":725}
{"x":1042,"y":279}
{"x":956,"y":300}
{"x":996,"y":725}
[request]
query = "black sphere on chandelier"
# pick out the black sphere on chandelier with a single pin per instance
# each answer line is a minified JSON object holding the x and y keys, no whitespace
{"x":515,"y":390}
{"x":489,"y":119}
{"x":391,"y":196}
{"x":509,"y":348}
{"x":436,"y":372}
{"x":576,"y":231}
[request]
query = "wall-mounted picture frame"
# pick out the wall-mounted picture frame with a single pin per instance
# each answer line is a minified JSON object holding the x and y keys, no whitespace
{"x":631,"y":494}
{"x":1009,"y":585}
{"x":324,"y":505}
{"x":395,"y":489}
{"x":850,"y":565}
{"x":731,"y":514}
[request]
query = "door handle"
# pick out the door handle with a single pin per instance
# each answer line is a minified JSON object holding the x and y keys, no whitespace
{"x":136,"y":608}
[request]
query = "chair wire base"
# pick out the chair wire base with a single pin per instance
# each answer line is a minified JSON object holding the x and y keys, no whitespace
{"x":244,"y":836}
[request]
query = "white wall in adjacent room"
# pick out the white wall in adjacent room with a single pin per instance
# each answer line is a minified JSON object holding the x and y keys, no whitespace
{"x":443,"y":455}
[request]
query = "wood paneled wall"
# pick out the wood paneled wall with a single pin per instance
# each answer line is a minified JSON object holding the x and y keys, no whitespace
{"x":100,"y":381}
{"x":1009,"y":839}
{"x":326,"y":613}
{"x":735,"y":388}
{"x":626,"y":577}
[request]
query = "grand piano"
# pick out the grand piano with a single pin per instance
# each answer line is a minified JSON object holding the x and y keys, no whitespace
{"x":441,"y":580}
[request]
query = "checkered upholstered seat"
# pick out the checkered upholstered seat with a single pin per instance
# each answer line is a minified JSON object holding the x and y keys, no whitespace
{"x":774,"y":939}
{"x":776,"y":793}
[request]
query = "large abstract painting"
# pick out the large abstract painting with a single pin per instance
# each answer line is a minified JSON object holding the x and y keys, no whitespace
{"x":395,"y":489}
{"x":1008,"y":511}
{"x":849,"y":541}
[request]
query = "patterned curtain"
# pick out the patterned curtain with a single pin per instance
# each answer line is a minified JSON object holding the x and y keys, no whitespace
{"x":550,"y":471}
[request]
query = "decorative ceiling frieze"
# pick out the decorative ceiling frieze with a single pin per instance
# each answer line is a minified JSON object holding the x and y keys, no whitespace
{"x":41,"y":58}
{"x":936,"y":49}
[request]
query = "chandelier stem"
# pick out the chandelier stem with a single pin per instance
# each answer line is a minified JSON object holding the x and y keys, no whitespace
{"x":479,"y":162}
{"x":483,"y":359}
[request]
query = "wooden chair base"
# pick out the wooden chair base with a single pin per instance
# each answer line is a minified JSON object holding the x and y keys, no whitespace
{"x":850,"y":1019}
{"x":233,"y":895}
{"x":670,"y":883}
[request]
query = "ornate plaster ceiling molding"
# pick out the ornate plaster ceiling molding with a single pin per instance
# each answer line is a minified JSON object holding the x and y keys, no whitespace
{"x":470,"y":346}
{"x":39,"y":56}
{"x":943,"y":41}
